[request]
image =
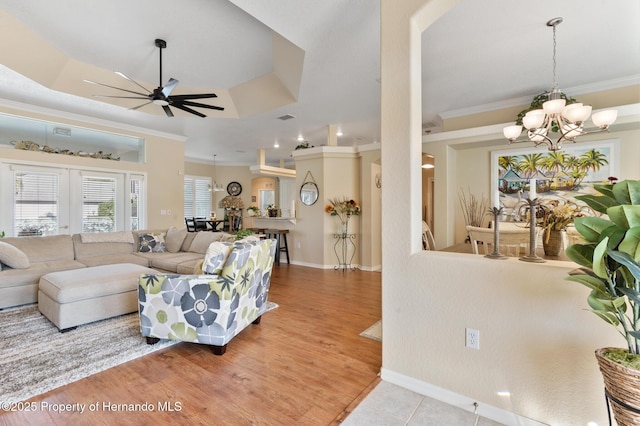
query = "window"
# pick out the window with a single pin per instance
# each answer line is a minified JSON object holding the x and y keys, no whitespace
{"x":36,"y":209}
{"x":98,"y":204}
{"x":43,"y":200}
{"x":136,"y":198}
{"x":197,"y":196}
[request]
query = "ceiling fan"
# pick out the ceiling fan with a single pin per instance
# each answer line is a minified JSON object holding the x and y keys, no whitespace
{"x":162,"y":94}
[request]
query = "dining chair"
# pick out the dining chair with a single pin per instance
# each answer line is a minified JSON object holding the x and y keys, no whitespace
{"x":190,"y":223}
{"x":428,"y":242}
{"x":200,"y":223}
{"x":513,"y":242}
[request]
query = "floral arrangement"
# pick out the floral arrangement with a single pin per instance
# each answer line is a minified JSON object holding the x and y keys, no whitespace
{"x":343,"y":207}
{"x":556,"y":215}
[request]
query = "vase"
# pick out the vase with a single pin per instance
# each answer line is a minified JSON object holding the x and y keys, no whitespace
{"x":552,"y":242}
{"x":344,"y":228}
{"x":621,"y":385}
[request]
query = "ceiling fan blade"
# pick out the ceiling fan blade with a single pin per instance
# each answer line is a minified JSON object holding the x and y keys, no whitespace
{"x":117,"y":88}
{"x":123,"y":75}
{"x":121,"y":97}
{"x":196,"y":96}
{"x":168,"y":88}
{"x":198,"y":104}
{"x":167,"y":110}
{"x":140,"y":106}
{"x":192,"y":111}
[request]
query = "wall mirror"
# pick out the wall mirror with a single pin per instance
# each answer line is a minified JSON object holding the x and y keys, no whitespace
{"x":309,"y":193}
{"x":309,"y":190}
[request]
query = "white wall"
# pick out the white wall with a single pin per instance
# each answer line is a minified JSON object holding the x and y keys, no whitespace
{"x":536,"y":338}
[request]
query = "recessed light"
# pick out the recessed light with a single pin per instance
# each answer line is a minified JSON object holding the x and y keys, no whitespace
{"x":339,"y":133}
{"x":276,"y":145}
{"x":300,"y":138}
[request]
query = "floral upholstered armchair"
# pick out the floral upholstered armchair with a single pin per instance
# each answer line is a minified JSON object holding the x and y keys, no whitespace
{"x":214,"y":306}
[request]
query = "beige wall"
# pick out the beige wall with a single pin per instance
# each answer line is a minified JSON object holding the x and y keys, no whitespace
{"x":370,"y":200}
{"x":537,"y":340}
{"x":223,"y":175}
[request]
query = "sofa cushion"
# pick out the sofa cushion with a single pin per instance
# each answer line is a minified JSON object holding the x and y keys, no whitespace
{"x":110,"y":259}
{"x":203,"y":240}
{"x":170,"y":261}
{"x":108,"y":237}
{"x":216,"y":256}
{"x":31,"y":276}
{"x":84,"y":249}
{"x":152,"y":242}
{"x":44,"y":249}
{"x":13,"y":256}
{"x":175,"y":238}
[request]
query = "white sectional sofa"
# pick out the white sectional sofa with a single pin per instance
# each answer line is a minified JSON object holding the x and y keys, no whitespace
{"x":178,"y":251}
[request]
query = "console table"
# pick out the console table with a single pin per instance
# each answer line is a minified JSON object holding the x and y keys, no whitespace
{"x":345,"y":249}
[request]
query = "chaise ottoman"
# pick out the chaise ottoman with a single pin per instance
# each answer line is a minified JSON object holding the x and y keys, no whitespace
{"x":81,"y":296}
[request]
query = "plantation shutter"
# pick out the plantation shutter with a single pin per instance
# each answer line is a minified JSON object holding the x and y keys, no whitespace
{"x":197,"y":197}
{"x":203,"y":198}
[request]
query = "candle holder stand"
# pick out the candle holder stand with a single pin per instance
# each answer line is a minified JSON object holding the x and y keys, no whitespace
{"x":532,"y":256}
{"x":496,"y":212}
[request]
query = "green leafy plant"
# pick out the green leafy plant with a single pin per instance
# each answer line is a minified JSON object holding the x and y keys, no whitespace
{"x":303,"y":145}
{"x":537,"y":104}
{"x":610,"y":257}
{"x":243,"y":233}
{"x":2,"y":234}
{"x":254,"y":209}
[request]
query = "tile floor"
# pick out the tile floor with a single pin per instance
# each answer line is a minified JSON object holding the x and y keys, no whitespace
{"x":391,"y":405}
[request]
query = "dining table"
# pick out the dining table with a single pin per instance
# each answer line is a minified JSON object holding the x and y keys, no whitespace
{"x":213,"y":223}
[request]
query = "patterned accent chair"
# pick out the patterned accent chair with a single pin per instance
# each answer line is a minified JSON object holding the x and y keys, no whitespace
{"x":213,"y":307}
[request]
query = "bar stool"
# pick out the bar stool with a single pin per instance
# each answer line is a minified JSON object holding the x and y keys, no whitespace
{"x":280,"y":235}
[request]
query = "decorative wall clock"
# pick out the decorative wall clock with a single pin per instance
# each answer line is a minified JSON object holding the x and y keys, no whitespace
{"x":234,"y":188}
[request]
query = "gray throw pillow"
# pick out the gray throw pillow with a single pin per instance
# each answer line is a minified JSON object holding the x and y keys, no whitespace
{"x":13,"y":257}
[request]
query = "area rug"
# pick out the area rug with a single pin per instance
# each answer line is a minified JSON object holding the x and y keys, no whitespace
{"x":374,"y":332}
{"x":36,"y":358}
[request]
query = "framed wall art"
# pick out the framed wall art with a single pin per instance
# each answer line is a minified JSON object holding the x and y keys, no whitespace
{"x":562,"y":174}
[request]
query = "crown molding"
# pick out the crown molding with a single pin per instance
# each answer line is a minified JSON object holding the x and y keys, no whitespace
{"x":526,"y":100}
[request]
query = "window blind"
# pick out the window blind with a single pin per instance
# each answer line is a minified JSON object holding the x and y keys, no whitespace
{"x":36,"y":208}
{"x":98,"y":204}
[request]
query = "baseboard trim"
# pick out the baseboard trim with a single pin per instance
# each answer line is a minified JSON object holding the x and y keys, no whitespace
{"x":455,"y":399}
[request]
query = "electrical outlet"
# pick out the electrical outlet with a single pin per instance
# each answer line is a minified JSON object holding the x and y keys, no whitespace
{"x":472,"y":338}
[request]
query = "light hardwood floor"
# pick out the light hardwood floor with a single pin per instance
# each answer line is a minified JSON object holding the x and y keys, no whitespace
{"x":305,"y":364}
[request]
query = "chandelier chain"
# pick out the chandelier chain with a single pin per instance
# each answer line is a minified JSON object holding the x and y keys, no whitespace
{"x":555,"y":81}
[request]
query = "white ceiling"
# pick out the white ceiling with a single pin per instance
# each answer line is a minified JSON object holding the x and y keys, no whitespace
{"x":481,"y":54}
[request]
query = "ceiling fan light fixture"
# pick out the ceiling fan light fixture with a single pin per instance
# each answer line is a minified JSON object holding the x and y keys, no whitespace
{"x":554,"y":112}
{"x":162,"y":95}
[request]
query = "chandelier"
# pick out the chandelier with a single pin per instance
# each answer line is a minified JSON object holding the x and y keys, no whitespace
{"x":559,"y":114}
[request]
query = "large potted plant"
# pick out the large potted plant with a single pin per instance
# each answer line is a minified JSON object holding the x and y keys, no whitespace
{"x":610,"y":268}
